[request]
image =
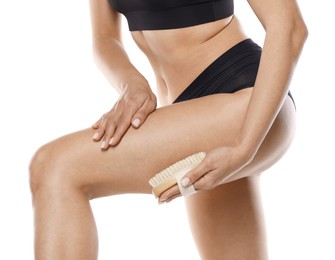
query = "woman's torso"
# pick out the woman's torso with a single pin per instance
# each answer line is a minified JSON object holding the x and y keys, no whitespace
{"x":178,"y":56}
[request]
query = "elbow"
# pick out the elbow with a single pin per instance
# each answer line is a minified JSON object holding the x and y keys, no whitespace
{"x":100,"y":47}
{"x":303,"y":30}
{"x":96,"y":53}
{"x":296,"y":33}
{"x":293,"y":32}
{"x":105,"y":46}
{"x":97,"y":57}
{"x":299,"y":34}
{"x":97,"y":49}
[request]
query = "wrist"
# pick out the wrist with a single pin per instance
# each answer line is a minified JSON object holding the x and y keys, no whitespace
{"x":130,"y":80}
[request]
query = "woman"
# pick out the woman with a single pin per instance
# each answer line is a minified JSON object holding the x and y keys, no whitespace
{"x":220,"y":94}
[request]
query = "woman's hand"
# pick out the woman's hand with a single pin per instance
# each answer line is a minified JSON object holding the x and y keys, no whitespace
{"x":136,"y":102}
{"x":215,"y":169}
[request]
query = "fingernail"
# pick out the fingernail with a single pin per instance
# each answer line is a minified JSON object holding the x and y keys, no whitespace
{"x":111,"y":141}
{"x":103,"y":143}
{"x":136,"y":122}
{"x":95,"y":136}
{"x":185,"y":181}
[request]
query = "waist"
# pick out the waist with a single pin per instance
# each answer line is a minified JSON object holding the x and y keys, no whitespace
{"x":179,"y":56}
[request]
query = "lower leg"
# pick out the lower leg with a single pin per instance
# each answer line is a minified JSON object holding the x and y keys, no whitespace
{"x":64,"y":225}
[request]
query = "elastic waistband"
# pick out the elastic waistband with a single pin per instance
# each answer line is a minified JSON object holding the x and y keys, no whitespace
{"x":179,"y":17}
{"x":244,"y":48}
{"x":234,"y":70}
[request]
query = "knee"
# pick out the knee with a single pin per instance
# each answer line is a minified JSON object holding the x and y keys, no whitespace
{"x":37,"y":167}
{"x":44,"y":169}
{"x":55,"y":170}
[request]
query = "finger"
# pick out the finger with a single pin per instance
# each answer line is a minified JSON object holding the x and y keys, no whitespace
{"x":96,"y":136}
{"x":100,"y":130}
{"x":169,"y":194}
{"x":96,"y":124}
{"x":106,"y":128}
{"x":172,"y":198}
{"x":113,"y":125}
{"x":109,"y":124}
{"x":110,"y":129}
{"x":100,"y":134}
{"x":194,"y":175}
{"x":122,"y":126}
{"x":141,"y":115}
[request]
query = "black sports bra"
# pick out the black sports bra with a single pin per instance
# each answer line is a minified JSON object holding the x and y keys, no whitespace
{"x":171,"y":14}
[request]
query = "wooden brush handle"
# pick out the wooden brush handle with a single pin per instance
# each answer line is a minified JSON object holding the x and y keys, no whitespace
{"x":157,"y":191}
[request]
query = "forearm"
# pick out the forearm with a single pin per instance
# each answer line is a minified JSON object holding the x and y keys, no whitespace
{"x":136,"y":100}
{"x":281,"y":50}
{"x":113,"y":61}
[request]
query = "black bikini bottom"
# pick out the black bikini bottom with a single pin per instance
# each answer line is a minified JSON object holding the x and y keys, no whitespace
{"x":234,"y":70}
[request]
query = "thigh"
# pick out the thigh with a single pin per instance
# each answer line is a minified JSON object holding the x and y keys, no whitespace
{"x":168,"y":135}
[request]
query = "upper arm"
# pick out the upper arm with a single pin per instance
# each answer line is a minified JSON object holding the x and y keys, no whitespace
{"x":277,"y":13}
{"x":106,"y":22}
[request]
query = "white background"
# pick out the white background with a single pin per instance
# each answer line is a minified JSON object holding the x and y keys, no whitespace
{"x":49,"y":86}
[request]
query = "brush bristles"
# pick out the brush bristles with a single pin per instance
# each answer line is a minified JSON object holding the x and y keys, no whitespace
{"x":163,"y":180}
